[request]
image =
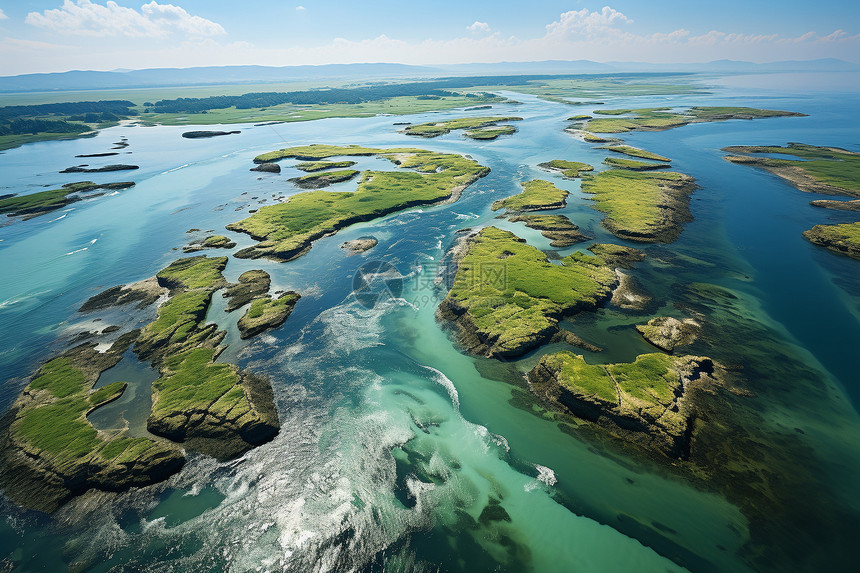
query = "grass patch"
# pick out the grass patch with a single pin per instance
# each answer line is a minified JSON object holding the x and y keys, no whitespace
{"x":537,"y":195}
{"x":816,"y":169}
{"x":568,"y":169}
{"x":641,"y":206}
{"x":435,"y":129}
{"x":314,"y":166}
{"x":633,"y":165}
{"x":636,"y":152}
{"x":513,"y":296}
{"x":660,"y":118}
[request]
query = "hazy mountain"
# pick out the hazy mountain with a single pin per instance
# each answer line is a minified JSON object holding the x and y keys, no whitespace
{"x":162,"y":77}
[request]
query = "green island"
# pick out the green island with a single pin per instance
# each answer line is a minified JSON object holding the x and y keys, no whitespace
{"x":843,"y":239}
{"x":662,"y":118}
{"x":491,"y":132}
{"x":633,"y":165}
{"x":826,"y":170}
{"x":287,"y":230}
{"x":50,"y":450}
{"x":507,"y":297}
{"x":323,"y":178}
{"x":210,"y":242}
{"x":649,"y":402}
{"x":591,"y":138}
{"x":581,"y":117}
{"x":568,"y":169}
{"x":537,"y":195}
{"x":313,"y":166}
{"x":267,"y":312}
{"x":41,"y":202}
{"x":636,"y":152}
{"x":557,"y":228}
{"x":477,"y":127}
{"x":642,"y":206}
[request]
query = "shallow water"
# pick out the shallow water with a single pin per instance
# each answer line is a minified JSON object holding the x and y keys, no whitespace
{"x":393,"y":443}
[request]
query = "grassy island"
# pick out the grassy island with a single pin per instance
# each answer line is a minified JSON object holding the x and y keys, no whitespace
{"x":557,"y":228}
{"x":507,"y":297}
{"x":633,"y":165}
{"x":636,"y":152}
{"x":49,"y":450}
{"x":313,"y":166}
{"x":843,"y":239}
{"x":210,"y":242}
{"x":568,"y":169}
{"x":477,"y":127}
{"x":828,"y":170}
{"x":647,"y":402}
{"x":42,"y":202}
{"x":288,"y":229}
{"x":537,"y":195}
{"x":324,"y":178}
{"x":661,"y":118}
{"x":267,"y":312}
{"x":647,"y":207}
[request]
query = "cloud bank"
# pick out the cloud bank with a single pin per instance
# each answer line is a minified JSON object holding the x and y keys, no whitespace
{"x":86,"y":18}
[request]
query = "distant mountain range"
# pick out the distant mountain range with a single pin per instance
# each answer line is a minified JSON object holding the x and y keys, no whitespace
{"x":165,"y":77}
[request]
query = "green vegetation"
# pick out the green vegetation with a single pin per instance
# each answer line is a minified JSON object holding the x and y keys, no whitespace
{"x":42,"y":202}
{"x":21,"y":124}
{"x":567,"y":89}
{"x":591,"y":138}
{"x":266,"y":312}
{"x":60,"y":452}
{"x":661,"y":118}
{"x":634,"y":165}
{"x":286,"y":230}
{"x":641,"y":206}
{"x":648,"y":383}
{"x":324,"y":178}
{"x":568,"y":169}
{"x":190,"y":378}
{"x":557,"y":228}
{"x":507,"y":297}
{"x":829,"y":170}
{"x":435,"y":129}
{"x":579,"y":118}
{"x":537,"y":195}
{"x":199,"y":272}
{"x":489,"y":133}
{"x":843,"y":239}
{"x":313,"y":166}
{"x":636,"y":152}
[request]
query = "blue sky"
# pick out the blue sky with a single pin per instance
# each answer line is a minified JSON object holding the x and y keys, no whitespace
{"x":58,"y":35}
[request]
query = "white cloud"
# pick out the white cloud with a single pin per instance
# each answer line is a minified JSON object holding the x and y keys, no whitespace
{"x":589,"y":24}
{"x":479,"y":27}
{"x":3,"y":15}
{"x":301,"y":9}
{"x":86,"y":18}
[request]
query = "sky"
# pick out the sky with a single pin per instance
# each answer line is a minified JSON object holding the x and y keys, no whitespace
{"x":61,"y":35}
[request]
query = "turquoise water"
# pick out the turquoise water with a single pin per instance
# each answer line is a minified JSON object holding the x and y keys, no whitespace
{"x":395,"y":447}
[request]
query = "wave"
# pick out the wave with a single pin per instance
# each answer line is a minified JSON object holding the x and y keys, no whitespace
{"x":175,"y":169}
